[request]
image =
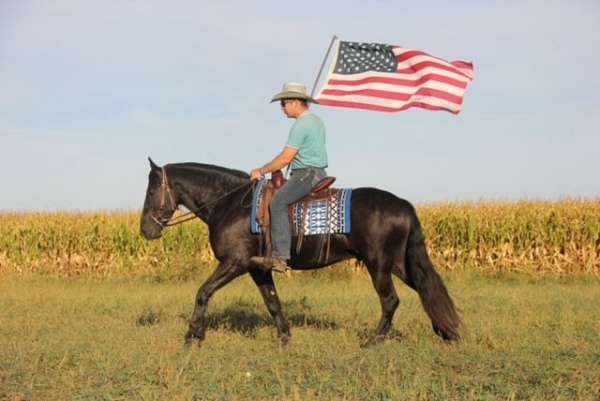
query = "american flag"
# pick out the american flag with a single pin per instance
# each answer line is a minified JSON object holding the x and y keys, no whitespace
{"x":390,"y":78}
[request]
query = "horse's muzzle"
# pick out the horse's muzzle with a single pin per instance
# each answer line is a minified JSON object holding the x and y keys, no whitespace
{"x":150,"y":230}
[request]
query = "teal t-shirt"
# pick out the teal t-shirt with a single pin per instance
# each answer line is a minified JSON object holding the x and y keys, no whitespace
{"x":308,"y":136}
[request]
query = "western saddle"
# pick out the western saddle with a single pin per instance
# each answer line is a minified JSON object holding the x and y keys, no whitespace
{"x":321,"y":190}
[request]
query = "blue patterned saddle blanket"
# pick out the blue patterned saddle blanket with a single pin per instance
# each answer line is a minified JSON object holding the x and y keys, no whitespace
{"x":330,"y":215}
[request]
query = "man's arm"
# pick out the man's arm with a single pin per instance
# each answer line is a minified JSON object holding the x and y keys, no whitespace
{"x":280,"y":161}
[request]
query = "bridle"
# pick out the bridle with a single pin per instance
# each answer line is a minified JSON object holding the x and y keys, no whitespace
{"x":167,"y":195}
{"x":164,"y":195}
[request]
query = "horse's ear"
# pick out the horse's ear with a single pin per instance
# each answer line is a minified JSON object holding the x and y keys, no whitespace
{"x":153,"y":165}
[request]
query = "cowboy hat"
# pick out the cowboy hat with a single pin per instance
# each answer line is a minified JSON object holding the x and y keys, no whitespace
{"x":293,"y":90}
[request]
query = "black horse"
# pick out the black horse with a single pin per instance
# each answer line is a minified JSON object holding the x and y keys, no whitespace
{"x":386,"y":237}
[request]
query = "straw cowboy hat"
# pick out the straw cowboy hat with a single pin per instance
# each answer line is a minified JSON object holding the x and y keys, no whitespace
{"x":293,"y":90}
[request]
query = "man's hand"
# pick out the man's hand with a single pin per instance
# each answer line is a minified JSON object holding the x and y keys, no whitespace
{"x":255,"y":174}
{"x":286,"y":156}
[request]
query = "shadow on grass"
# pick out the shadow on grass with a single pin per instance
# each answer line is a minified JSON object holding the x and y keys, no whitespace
{"x":246,"y":317}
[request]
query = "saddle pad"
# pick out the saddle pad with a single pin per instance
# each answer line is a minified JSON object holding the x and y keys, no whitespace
{"x":322,"y":216}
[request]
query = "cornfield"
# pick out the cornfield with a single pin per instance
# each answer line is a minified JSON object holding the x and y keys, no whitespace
{"x":559,"y":238}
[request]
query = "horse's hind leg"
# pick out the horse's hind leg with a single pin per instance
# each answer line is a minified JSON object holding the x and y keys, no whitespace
{"x":382,"y":281}
{"x":225,"y":272}
{"x":264,"y":282}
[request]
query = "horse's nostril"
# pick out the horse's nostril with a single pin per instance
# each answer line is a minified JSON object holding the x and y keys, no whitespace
{"x":151,"y":235}
{"x":149,"y":231}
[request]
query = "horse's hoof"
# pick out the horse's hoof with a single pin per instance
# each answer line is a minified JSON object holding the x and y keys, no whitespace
{"x":284,"y":339}
{"x":372,"y":341}
{"x":191,"y":338}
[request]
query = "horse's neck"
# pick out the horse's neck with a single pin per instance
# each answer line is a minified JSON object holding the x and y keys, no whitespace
{"x":205,"y":192}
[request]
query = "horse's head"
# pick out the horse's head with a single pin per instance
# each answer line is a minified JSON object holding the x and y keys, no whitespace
{"x":160,"y":203}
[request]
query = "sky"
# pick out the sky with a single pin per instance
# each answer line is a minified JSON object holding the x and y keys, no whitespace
{"x":90,"y":89}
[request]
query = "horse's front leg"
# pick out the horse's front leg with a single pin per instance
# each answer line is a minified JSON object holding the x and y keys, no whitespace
{"x":225,"y":272}
{"x":264,"y":282}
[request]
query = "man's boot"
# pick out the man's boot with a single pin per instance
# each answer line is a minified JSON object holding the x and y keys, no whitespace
{"x":271,"y":263}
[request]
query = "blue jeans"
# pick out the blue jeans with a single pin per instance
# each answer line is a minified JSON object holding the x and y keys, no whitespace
{"x":298,"y":186}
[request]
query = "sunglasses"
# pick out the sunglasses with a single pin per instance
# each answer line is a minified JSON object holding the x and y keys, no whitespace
{"x":284,"y":102}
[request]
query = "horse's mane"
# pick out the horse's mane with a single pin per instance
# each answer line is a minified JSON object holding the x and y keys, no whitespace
{"x":203,"y":168}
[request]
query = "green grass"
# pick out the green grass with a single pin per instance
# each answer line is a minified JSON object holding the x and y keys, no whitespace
{"x":66,"y":339}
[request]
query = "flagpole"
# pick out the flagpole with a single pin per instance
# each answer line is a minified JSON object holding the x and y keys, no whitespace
{"x":312,"y":93}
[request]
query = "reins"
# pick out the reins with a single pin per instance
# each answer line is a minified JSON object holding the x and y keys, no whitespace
{"x":191,"y":215}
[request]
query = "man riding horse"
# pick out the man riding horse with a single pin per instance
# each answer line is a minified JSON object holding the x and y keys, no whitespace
{"x":306,"y":155}
{"x":385,"y":235}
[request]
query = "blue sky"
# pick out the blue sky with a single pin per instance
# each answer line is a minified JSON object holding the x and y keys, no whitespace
{"x":89,"y":89}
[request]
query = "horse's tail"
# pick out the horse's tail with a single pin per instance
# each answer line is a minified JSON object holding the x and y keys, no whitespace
{"x":422,"y":276}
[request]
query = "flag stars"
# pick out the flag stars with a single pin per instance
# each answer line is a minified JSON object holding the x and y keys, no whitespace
{"x":354,"y":58}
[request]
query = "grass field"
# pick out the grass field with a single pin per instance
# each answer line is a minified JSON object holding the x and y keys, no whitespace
{"x":61,"y":339}
{"x":91,"y":311}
